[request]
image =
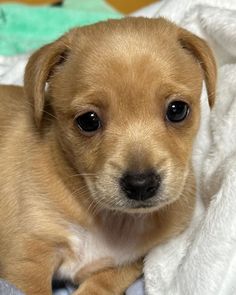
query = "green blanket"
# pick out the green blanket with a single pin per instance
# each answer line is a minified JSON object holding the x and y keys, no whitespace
{"x":25,"y":28}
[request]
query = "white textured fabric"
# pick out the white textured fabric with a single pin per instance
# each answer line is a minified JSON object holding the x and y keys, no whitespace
{"x":12,"y":69}
{"x":203,"y":259}
{"x":8,"y":289}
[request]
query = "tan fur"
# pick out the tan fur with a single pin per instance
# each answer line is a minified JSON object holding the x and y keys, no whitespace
{"x":55,"y":182}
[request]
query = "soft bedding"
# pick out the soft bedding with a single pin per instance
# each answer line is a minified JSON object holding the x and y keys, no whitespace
{"x":203,"y":259}
{"x":8,"y":289}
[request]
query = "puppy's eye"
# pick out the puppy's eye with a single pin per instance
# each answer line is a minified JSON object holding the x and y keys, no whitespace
{"x":88,"y":122}
{"x":177,"y":111}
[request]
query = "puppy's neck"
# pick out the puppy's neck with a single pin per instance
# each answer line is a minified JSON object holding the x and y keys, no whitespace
{"x":118,"y":225}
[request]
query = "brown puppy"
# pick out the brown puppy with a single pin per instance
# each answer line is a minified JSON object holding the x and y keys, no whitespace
{"x":96,"y":165}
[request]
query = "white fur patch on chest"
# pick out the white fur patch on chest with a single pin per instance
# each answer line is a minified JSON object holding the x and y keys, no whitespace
{"x":115,"y":244}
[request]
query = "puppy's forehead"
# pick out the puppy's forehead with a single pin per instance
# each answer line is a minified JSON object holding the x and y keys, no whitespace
{"x":126,"y":41}
{"x":134,"y":55}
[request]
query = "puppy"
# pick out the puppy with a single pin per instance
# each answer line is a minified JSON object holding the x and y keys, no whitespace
{"x":96,"y":153}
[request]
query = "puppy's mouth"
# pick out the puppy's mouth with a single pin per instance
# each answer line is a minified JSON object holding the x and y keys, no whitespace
{"x":145,"y":207}
{"x":121,"y":204}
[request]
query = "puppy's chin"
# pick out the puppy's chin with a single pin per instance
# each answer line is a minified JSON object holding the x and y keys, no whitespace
{"x":141,"y":209}
{"x":136,"y":207}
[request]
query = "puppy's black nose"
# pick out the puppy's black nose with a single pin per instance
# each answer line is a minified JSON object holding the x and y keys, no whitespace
{"x":140,"y":186}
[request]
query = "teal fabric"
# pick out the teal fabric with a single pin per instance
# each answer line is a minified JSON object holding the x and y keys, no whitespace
{"x":25,"y":28}
{"x":89,"y":5}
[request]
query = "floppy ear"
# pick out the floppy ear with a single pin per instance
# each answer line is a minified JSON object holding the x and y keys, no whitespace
{"x":202,"y":52}
{"x":39,"y":69}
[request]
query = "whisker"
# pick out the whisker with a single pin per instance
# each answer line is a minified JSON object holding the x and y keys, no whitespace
{"x":84,"y":174}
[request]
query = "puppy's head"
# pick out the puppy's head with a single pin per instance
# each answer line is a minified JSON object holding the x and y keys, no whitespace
{"x":125,"y":95}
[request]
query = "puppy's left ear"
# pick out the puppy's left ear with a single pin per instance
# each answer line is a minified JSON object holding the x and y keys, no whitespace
{"x":40,"y":68}
{"x":202,"y":52}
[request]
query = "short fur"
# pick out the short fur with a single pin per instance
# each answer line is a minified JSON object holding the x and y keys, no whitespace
{"x":62,"y":213}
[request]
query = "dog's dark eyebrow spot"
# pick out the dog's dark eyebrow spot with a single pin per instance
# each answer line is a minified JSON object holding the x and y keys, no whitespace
{"x":60,"y":60}
{"x":62,"y":57}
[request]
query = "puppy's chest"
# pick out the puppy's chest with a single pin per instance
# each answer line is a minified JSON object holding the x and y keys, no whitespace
{"x":92,"y":251}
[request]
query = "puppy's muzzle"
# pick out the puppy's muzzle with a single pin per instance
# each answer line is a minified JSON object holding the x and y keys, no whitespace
{"x":140,"y":186}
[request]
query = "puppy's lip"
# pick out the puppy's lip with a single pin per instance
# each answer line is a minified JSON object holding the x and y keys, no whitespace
{"x":149,"y":205}
{"x":143,"y":209}
{"x":140,"y":207}
{"x":144,"y":206}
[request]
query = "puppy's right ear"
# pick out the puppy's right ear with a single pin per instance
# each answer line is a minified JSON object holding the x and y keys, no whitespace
{"x":39,"y":69}
{"x":203,"y":53}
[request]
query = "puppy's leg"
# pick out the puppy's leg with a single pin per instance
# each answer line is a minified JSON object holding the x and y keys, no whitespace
{"x":113,"y":281}
{"x":32,"y":271}
{"x":31,"y":280}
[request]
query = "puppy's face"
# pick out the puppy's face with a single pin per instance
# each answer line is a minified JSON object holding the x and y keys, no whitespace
{"x":126,"y":99}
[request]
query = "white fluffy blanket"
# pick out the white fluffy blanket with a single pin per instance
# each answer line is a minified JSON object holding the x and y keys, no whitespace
{"x":202,"y":261}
